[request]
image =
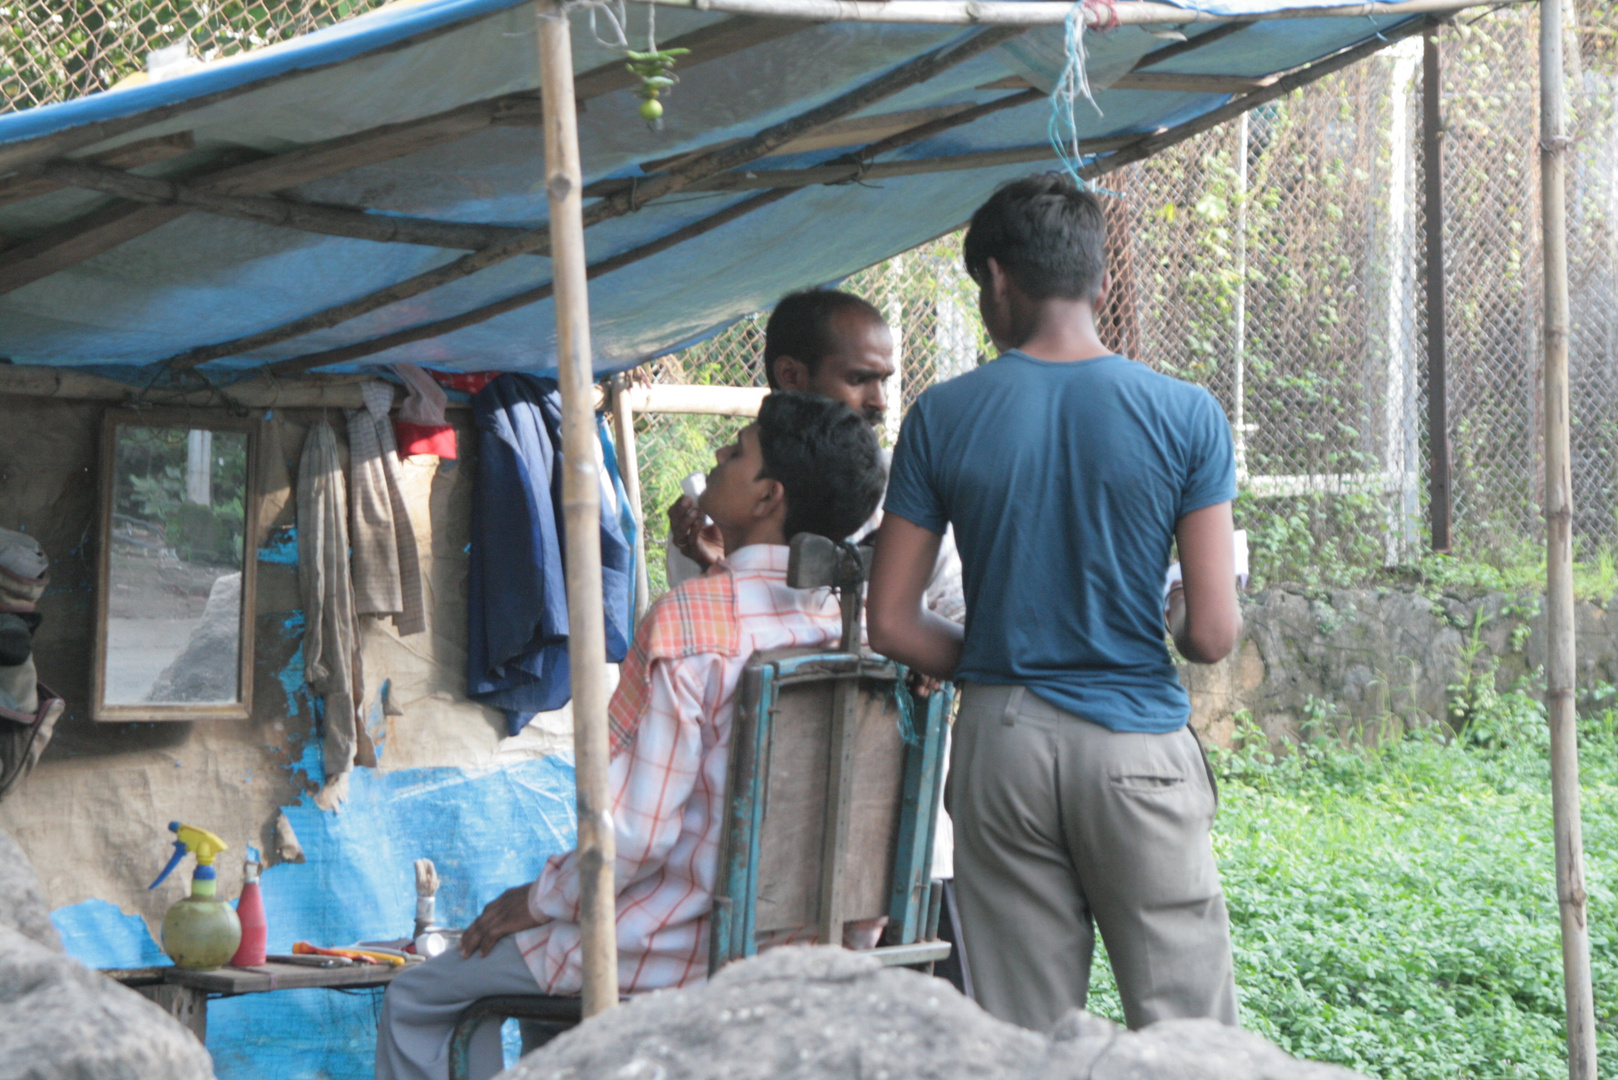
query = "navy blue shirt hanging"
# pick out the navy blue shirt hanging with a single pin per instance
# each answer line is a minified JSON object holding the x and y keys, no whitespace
{"x":517,"y":639}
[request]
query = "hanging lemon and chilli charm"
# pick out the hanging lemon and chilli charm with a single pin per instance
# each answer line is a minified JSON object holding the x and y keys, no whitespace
{"x":655,"y":70}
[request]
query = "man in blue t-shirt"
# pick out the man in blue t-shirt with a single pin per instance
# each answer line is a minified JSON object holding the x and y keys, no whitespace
{"x":1080,"y":795}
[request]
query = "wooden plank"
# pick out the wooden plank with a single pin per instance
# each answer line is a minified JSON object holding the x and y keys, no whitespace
{"x":231,"y":981}
{"x":1180,"y":48}
{"x":1180,"y":83}
{"x":451,"y":323}
{"x":911,"y":73}
{"x":74,"y":242}
{"x":845,"y":703}
{"x":187,"y":1005}
{"x":320,"y":218}
{"x":792,"y":832}
{"x":128,"y":156}
{"x":855,"y":132}
{"x":623,"y":425}
{"x":1030,"y":13}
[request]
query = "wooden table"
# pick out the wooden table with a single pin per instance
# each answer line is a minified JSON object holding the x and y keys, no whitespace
{"x":183,"y":993}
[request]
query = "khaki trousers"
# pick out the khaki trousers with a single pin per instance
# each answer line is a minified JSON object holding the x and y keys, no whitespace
{"x":1062,"y":827}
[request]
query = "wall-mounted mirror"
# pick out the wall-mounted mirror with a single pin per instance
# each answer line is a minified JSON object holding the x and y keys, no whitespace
{"x":174,"y":610}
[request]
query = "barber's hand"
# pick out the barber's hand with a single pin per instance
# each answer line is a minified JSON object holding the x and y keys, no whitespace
{"x":506,"y":914}
{"x":924,"y":686}
{"x":700,"y":543}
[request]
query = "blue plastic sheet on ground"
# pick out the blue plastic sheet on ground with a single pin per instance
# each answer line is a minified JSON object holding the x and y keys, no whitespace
{"x":485,"y":830}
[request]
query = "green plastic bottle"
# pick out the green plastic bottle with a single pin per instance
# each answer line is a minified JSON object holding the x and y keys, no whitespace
{"x":201,"y":931}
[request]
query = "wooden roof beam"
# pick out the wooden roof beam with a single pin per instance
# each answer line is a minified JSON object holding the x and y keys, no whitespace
{"x":105,"y":228}
{"x":1125,"y":149}
{"x":439,"y":327}
{"x":308,"y":217}
{"x":913,"y":72}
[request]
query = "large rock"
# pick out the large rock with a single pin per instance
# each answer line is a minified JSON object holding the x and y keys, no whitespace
{"x":22,"y":903}
{"x":828,"y":1014}
{"x":61,"y":1021}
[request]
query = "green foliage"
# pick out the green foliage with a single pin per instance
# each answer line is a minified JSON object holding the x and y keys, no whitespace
{"x":54,"y":50}
{"x":150,"y":487}
{"x":1393,"y":909}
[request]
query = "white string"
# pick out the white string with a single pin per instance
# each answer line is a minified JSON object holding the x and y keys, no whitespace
{"x":1071,"y":85}
{"x":616,"y":13}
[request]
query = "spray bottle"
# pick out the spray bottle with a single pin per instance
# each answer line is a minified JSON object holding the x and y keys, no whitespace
{"x":250,"y":910}
{"x":201,"y":931}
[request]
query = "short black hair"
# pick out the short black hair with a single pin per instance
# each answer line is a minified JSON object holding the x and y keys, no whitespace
{"x":800,"y":327}
{"x":826,"y":457}
{"x":1046,"y":233}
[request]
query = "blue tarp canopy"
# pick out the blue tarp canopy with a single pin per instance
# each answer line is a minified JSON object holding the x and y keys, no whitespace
{"x":428,"y":110}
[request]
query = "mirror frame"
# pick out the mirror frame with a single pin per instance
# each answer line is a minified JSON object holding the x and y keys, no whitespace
{"x":242,"y":708}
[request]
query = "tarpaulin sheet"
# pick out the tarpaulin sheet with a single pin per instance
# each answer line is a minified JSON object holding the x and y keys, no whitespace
{"x":485,"y":830}
{"x":203,"y":278}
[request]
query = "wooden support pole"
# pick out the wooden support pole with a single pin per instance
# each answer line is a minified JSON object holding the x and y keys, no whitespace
{"x":1432,"y":166}
{"x":1560,"y":668}
{"x":1026,"y":13}
{"x":623,"y":419}
{"x":581,"y":503}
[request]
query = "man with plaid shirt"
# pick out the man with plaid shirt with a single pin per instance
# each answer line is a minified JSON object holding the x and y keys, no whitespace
{"x":809,"y":464}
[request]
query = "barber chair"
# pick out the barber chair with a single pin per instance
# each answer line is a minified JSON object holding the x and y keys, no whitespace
{"x":833,"y":799}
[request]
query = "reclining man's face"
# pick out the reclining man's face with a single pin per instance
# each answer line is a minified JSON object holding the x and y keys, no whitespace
{"x":855,"y":372}
{"x":736,"y":497}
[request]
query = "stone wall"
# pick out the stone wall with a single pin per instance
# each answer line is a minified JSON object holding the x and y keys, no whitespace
{"x":1368,"y":663}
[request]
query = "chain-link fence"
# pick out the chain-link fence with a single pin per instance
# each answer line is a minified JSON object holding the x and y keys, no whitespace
{"x":55,"y":50}
{"x":1280,"y":261}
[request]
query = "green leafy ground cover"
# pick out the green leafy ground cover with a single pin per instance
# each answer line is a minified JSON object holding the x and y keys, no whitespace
{"x":1394,"y":910}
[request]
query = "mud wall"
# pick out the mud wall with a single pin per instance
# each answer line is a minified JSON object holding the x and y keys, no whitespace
{"x":92,"y":816}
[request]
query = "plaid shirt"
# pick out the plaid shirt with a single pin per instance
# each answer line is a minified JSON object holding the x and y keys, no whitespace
{"x":671,"y":732}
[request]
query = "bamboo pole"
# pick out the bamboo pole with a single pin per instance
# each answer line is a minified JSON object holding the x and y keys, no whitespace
{"x":1027,"y":13}
{"x":581,"y":503}
{"x":623,"y":418}
{"x":1560,"y":668}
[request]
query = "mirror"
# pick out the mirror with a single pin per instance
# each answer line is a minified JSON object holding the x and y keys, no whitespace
{"x":174,"y":613}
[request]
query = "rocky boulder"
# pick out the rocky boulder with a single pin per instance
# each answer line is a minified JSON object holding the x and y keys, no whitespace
{"x":61,"y":1021}
{"x":828,"y":1014}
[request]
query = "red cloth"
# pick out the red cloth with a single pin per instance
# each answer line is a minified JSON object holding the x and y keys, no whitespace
{"x":413,"y":439}
{"x":469,"y":382}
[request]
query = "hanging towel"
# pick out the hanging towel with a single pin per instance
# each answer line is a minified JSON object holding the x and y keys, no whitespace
{"x":387,"y":569}
{"x":626,"y":514}
{"x":422,"y":427}
{"x":517,"y":592}
{"x":331,"y":653}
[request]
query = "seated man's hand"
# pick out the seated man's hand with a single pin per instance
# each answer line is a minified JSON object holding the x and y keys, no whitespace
{"x":506,"y":914}
{"x":700,"y":543}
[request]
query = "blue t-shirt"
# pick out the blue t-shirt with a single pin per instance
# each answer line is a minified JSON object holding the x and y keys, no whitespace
{"x":1064,"y":482}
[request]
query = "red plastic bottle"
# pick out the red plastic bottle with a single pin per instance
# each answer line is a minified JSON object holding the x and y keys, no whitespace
{"x":250,"y":910}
